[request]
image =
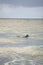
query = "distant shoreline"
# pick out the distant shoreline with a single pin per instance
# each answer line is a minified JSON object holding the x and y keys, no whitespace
{"x":23,"y":18}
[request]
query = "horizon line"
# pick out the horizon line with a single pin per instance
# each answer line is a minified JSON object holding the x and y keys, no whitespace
{"x":24,"y":18}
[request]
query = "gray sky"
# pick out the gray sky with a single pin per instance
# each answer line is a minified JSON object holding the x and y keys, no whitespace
{"x":21,"y":8}
{"x":25,"y":3}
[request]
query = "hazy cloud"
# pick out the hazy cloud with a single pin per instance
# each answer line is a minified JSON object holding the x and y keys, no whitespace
{"x":25,"y":3}
{"x":20,"y":12}
{"x":21,"y":8}
{"x":6,"y":9}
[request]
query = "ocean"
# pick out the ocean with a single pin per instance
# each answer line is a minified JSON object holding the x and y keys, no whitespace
{"x":15,"y":48}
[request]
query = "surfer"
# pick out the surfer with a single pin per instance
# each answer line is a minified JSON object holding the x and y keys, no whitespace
{"x":26,"y":36}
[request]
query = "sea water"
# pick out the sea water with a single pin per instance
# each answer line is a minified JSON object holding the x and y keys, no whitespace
{"x":15,"y":49}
